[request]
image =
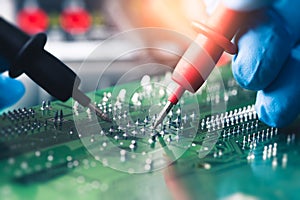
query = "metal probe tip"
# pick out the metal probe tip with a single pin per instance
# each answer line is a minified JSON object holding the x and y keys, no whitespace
{"x":99,"y":112}
{"x":86,"y":102}
{"x":163,"y":114}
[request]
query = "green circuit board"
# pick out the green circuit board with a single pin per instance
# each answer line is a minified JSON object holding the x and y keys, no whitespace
{"x":211,"y":146}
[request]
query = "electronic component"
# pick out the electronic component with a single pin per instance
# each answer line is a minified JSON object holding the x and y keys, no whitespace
{"x":53,"y":151}
{"x":63,"y":20}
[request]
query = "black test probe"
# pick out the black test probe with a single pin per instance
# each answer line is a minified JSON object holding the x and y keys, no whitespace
{"x":27,"y":55}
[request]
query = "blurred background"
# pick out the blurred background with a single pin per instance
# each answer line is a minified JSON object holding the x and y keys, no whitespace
{"x":76,"y":27}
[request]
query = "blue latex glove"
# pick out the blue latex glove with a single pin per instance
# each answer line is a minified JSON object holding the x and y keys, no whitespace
{"x":11,"y":90}
{"x":268,"y":61}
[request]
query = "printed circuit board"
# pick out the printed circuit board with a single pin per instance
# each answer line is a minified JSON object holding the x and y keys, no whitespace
{"x":211,"y":146}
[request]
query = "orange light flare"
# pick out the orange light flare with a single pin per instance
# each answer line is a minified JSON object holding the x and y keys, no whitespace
{"x":176,"y":15}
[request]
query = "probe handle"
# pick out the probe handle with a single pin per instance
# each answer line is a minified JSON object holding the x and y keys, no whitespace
{"x":26,"y":54}
{"x":200,"y":58}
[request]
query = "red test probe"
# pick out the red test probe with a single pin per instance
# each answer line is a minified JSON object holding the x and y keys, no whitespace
{"x":200,"y":58}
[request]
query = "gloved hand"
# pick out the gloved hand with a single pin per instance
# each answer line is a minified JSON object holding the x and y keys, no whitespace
{"x":268,"y":61}
{"x":11,"y":90}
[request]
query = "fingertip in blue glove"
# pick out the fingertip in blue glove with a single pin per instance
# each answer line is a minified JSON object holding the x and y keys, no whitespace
{"x":269,"y":62}
{"x":11,"y":91}
{"x":278,"y":104}
{"x":262,"y":50}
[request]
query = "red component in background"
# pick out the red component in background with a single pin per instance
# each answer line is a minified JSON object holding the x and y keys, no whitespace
{"x":32,"y":20}
{"x":75,"y":21}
